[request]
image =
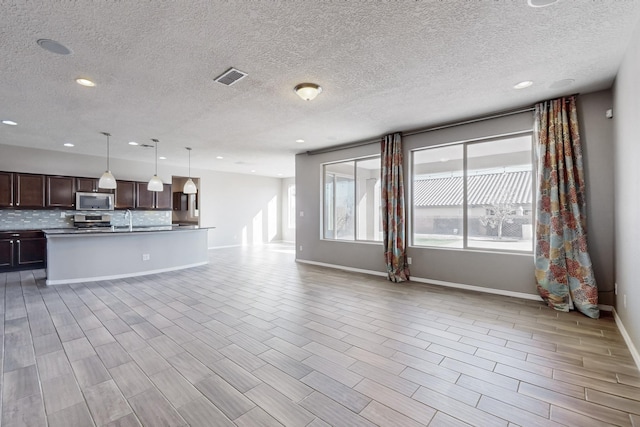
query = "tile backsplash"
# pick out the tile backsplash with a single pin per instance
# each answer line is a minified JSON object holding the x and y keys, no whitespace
{"x":39,"y":219}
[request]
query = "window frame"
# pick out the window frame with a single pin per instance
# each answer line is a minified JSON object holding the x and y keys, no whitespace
{"x":323,"y":186}
{"x":465,"y":144}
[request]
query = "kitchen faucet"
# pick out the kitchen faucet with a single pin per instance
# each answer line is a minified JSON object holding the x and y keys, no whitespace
{"x":130,"y":216}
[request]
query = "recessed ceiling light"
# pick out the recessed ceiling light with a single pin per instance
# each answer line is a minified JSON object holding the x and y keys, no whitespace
{"x":444,"y":160}
{"x":68,"y":144}
{"x":9,"y":122}
{"x":541,"y":3}
{"x":279,"y":174}
{"x":85,"y":82}
{"x":162,"y":158}
{"x":219,"y":157}
{"x":53,"y":46}
{"x":523,"y":84}
{"x":253,"y":170}
{"x":133,"y":143}
{"x":299,"y":141}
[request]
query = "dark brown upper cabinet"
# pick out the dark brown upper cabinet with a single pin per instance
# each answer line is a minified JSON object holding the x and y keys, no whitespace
{"x":61,"y":192}
{"x":146,"y":199}
{"x":6,"y":189}
{"x":126,"y":195}
{"x":163,"y":198}
{"x":29,"y":190}
{"x":90,"y":185}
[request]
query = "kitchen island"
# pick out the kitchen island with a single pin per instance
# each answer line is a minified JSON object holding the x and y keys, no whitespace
{"x":86,"y":255}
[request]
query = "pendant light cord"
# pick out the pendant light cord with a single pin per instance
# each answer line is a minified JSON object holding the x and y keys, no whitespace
{"x":189,"y":162}
{"x":156,"y":144}
{"x":107,"y":134}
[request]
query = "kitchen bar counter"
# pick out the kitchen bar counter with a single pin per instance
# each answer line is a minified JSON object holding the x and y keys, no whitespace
{"x":119,"y":229}
{"x":85,"y":255}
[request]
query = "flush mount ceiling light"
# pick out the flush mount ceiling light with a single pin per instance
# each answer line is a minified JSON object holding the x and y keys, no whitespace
{"x":107,"y":180}
{"x":189,"y":186}
{"x":155,"y":183}
{"x":54,"y":47}
{"x":68,"y":144}
{"x":85,"y":82}
{"x":307,"y":91}
{"x":300,"y":141}
{"x":9,"y":122}
{"x":523,"y":85}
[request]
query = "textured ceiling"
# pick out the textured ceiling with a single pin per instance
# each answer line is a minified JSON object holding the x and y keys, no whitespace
{"x":384,"y":67}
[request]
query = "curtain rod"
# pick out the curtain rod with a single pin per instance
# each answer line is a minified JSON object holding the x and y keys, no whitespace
{"x":418,"y":131}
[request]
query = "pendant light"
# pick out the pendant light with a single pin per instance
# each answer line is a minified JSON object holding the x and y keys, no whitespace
{"x":155,"y":183}
{"x":189,"y":186}
{"x":107,"y":179}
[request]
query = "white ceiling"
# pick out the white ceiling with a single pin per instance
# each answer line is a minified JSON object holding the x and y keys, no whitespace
{"x":384,"y":67}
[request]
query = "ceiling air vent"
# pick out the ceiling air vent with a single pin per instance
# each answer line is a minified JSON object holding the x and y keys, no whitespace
{"x":230,"y":76}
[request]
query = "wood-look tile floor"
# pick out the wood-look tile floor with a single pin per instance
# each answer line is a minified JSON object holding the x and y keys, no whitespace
{"x":254,"y":339}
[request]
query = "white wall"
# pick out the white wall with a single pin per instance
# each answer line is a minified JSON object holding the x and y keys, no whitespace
{"x":502,"y":271}
{"x":288,"y":233}
{"x":626,"y":123}
{"x":244,"y":209}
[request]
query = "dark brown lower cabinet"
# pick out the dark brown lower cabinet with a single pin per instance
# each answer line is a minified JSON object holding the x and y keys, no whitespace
{"x":21,"y":250}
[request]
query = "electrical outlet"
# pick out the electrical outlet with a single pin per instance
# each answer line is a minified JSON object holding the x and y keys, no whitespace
{"x":301,"y":213}
{"x":409,"y":260}
{"x":624,"y":300}
{"x":300,"y":248}
{"x":615,"y":288}
{"x":146,"y":257}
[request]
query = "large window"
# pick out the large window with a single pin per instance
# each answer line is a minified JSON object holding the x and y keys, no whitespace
{"x":351,"y":208}
{"x":474,"y":195}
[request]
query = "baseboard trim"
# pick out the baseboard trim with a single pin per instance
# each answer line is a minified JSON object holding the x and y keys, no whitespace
{"x":342,"y":267}
{"x":223,"y":247}
{"x":627,"y":339}
{"x":474,"y":288}
{"x":123,"y":276}
{"x":521,"y":295}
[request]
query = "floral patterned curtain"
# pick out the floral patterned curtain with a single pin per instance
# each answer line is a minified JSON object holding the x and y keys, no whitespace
{"x":393,"y":212}
{"x":563,"y":268}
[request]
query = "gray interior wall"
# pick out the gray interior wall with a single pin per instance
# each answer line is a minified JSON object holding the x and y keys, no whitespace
{"x":229,"y":202}
{"x":309,"y":246}
{"x":626,"y":123}
{"x":505,"y":271}
{"x":596,"y":133}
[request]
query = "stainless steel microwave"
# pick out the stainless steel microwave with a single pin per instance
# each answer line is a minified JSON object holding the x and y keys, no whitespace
{"x":94,"y":201}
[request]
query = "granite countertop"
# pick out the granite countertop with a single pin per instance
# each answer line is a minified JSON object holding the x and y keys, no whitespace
{"x":120,"y":230}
